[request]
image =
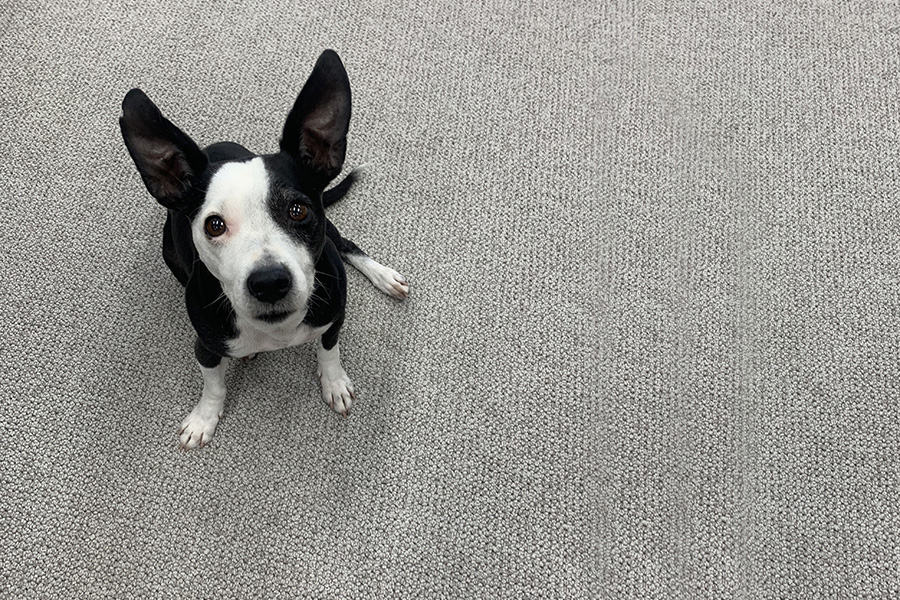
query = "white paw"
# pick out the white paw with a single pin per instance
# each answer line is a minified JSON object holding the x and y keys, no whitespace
{"x":198,"y":427}
{"x":337,"y":390}
{"x":384,"y":278}
{"x":391,"y":282}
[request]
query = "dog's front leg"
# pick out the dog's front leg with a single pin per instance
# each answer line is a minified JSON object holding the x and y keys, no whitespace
{"x":198,"y":427}
{"x":337,"y":389}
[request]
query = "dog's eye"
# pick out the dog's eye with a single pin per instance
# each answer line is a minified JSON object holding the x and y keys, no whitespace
{"x":297,"y":212}
{"x":214,"y":226}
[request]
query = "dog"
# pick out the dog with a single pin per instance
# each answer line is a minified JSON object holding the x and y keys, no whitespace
{"x":247,"y":237}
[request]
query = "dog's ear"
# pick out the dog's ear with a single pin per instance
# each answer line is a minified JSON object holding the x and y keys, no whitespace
{"x":167,"y":159}
{"x":315,"y":132}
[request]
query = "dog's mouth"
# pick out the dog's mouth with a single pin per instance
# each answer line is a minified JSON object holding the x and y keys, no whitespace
{"x":274,"y":316}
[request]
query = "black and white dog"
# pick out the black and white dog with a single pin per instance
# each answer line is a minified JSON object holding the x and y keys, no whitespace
{"x":247,"y":237}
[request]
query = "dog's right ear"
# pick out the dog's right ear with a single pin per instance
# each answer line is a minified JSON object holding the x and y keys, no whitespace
{"x":168,"y":160}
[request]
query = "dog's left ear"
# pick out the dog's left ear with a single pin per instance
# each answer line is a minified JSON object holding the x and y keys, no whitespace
{"x":315,"y":132}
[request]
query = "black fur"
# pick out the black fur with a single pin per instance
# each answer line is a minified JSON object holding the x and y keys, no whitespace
{"x":329,"y":295}
{"x":225,"y":151}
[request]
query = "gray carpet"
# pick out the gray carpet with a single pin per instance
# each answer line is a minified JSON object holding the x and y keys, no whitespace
{"x":650,"y":351}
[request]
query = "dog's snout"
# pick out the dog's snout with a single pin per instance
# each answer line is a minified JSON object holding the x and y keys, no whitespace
{"x":270,"y":284}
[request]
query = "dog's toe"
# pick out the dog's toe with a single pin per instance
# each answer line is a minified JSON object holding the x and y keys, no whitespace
{"x":337,"y":391}
{"x":393,"y":283}
{"x":197,"y":429}
{"x":384,"y":278}
{"x":399,"y":287}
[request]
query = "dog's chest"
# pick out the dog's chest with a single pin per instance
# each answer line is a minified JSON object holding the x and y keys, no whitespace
{"x":251,"y":340}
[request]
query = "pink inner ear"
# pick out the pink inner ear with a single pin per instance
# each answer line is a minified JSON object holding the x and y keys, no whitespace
{"x":167,"y":159}
{"x":167,"y":168}
{"x":321,"y":122}
{"x":316,"y":147}
{"x":154,"y":150}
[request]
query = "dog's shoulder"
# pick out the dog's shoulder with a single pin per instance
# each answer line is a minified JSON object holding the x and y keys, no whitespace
{"x":178,"y":248}
{"x":209,"y":310}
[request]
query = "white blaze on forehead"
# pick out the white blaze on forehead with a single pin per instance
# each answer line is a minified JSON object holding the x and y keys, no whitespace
{"x":238,"y":193}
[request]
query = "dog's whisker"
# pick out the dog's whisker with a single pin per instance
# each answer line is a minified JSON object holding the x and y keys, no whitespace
{"x":217,"y":299}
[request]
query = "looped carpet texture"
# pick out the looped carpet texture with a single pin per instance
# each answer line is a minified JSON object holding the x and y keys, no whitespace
{"x":651,"y":345}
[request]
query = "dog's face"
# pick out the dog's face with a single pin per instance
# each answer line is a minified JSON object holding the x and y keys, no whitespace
{"x":258,"y":223}
{"x":259,"y":234}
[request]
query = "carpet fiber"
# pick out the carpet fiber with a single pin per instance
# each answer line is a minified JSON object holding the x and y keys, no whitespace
{"x":650,"y":351}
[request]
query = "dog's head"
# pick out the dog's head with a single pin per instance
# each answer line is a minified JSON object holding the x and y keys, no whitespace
{"x":258,"y":223}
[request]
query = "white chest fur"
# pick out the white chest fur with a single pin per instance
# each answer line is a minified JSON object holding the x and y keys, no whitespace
{"x":252,"y":338}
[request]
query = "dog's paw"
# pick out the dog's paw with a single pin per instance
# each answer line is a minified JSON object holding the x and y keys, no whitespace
{"x":337,"y":391}
{"x":384,"y":278}
{"x":198,"y":428}
{"x":391,"y":282}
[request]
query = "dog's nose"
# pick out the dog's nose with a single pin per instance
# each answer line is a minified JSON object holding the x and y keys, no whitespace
{"x":270,"y":284}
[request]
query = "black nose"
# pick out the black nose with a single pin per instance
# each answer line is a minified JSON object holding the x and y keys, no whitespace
{"x":270,"y":284}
